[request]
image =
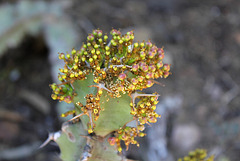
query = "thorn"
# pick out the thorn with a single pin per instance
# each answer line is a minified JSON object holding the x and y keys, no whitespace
{"x":51,"y":137}
{"x":161,"y":84}
{"x":119,"y":66}
{"x":76,"y":117}
{"x":149,"y":124}
{"x":109,"y":43}
{"x":67,"y":82}
{"x":65,"y":124}
{"x":135,"y":95}
{"x":88,"y":65}
{"x":130,"y":47}
{"x":101,"y":86}
{"x":90,"y":117}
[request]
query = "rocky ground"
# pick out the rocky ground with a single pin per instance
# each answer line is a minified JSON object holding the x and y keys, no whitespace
{"x":200,"y":103}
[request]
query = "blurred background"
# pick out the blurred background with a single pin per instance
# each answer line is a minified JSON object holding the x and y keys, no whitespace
{"x":200,"y":103}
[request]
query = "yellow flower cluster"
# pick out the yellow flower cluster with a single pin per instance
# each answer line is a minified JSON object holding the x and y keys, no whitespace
{"x":134,"y":64}
{"x":197,"y":155}
{"x":118,"y":66}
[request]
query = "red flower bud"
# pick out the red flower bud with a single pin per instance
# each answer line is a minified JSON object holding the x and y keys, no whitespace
{"x":99,"y":33}
{"x":149,"y":44}
{"x":149,"y":75}
{"x":165,"y":74}
{"x":151,"y":54}
{"x":90,"y":37}
{"x":121,"y":88}
{"x":160,"y":51}
{"x":161,"y":56}
{"x":152,"y":120}
{"x":142,"y":54}
{"x":145,"y":68}
{"x":134,"y":81}
{"x":122,"y":76}
{"x":135,"y":67}
{"x":149,"y":83}
{"x":152,"y":68}
{"x":112,"y":140}
{"x":140,"y":78}
{"x":159,"y":64}
{"x":68,"y":99}
{"x":141,"y":64}
{"x":131,"y":87}
{"x":166,"y":67}
{"x":114,"y":32}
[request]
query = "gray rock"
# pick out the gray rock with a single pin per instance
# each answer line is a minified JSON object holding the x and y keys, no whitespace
{"x":185,"y":136}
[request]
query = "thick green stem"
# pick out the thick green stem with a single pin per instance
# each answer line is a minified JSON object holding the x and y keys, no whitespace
{"x":76,"y":145}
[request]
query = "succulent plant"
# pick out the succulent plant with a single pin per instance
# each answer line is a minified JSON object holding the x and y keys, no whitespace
{"x":104,"y":81}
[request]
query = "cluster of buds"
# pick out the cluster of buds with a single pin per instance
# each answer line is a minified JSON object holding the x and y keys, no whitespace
{"x":120,"y":67}
{"x":91,"y":109}
{"x":134,"y":64}
{"x":197,"y":155}
{"x":128,"y":135}
{"x":145,"y":109}
{"x":62,"y":92}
